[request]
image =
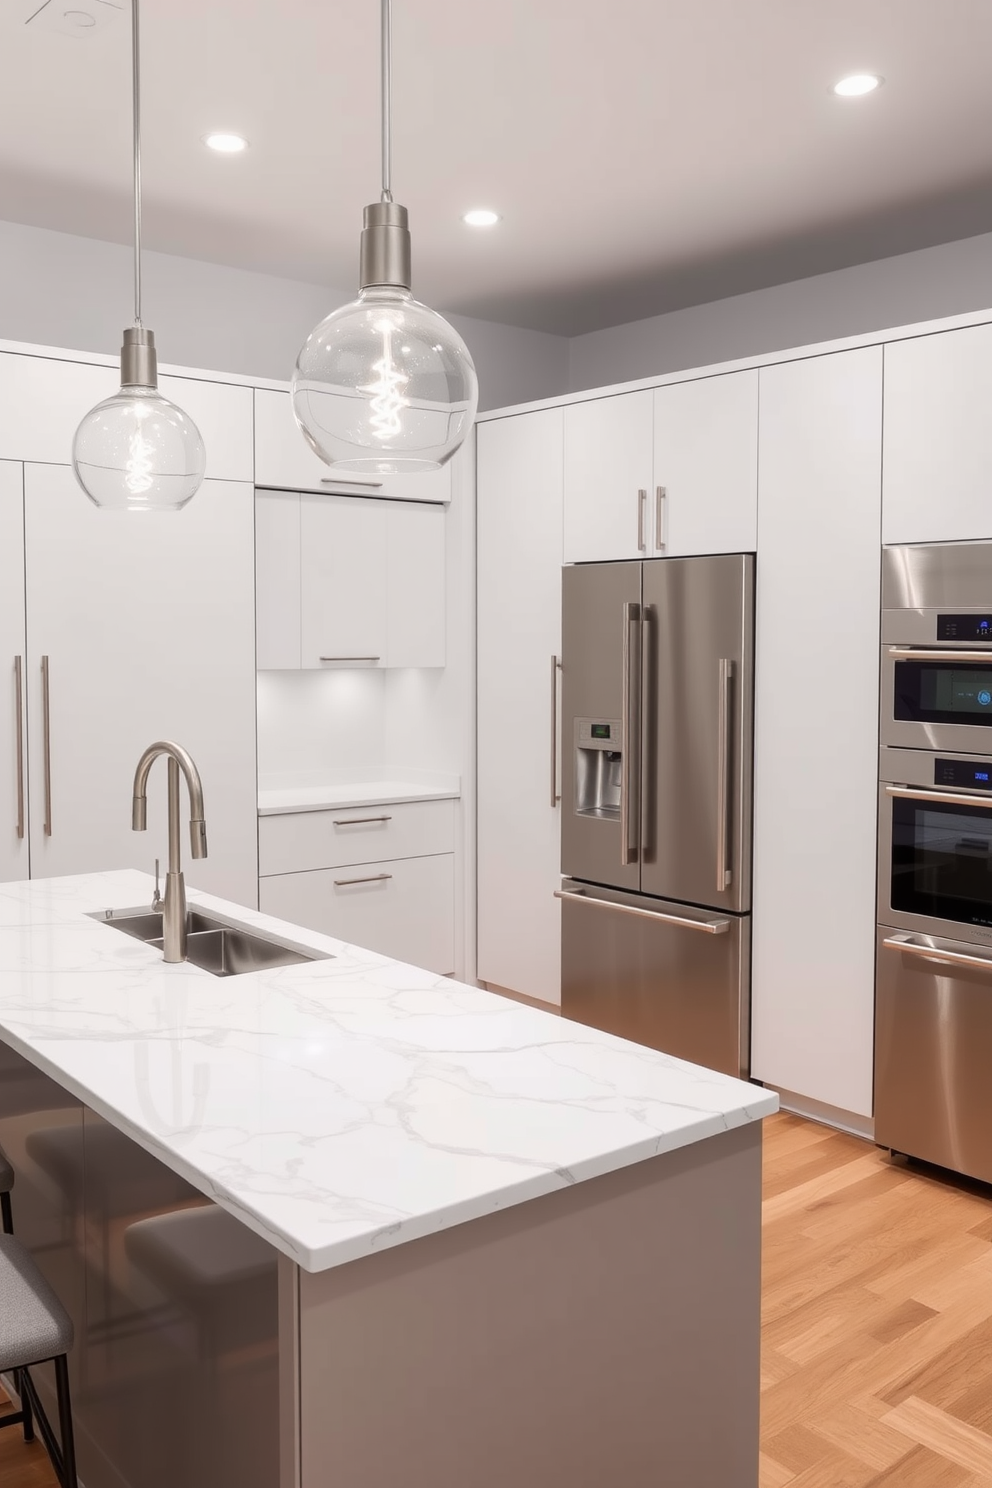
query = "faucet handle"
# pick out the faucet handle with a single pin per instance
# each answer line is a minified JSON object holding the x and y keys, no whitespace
{"x":157,"y":897}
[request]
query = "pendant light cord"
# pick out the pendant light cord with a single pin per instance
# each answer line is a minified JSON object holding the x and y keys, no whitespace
{"x":136,"y":124}
{"x":386,"y":45}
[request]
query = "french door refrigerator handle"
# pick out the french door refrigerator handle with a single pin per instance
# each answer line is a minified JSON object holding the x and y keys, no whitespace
{"x":555,"y":792}
{"x":912,"y":653}
{"x":724,"y":875}
{"x":19,"y":707}
{"x":629,"y":731}
{"x":708,"y":927}
{"x":947,"y":798}
{"x":938,"y":957}
{"x":46,"y":724}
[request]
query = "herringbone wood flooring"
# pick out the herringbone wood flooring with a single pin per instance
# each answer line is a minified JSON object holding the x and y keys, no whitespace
{"x":877,"y":1360}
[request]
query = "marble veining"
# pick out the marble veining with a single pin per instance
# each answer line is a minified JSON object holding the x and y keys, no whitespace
{"x":339,"y":1106}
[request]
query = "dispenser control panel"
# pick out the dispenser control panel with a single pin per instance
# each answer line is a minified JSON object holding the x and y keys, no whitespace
{"x":597,"y":733}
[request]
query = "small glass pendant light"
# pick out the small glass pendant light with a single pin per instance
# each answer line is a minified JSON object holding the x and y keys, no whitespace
{"x":385,"y":384}
{"x":137,"y":451}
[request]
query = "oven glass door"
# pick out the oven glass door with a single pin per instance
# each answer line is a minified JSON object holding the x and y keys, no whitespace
{"x":942,"y":859}
{"x":943,"y":692}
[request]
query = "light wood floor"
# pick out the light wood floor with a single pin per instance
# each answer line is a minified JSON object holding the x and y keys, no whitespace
{"x":877,"y":1359}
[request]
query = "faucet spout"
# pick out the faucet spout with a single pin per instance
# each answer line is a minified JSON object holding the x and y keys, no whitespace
{"x":174,"y":904}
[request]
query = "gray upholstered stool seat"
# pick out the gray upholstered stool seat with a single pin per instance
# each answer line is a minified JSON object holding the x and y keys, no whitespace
{"x":34,"y":1325}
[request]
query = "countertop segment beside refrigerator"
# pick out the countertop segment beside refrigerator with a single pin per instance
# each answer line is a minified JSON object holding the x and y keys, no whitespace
{"x":288,"y":799}
{"x":346,"y":1105}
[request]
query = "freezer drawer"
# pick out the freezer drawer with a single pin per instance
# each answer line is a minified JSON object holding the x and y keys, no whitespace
{"x":662,"y":974}
{"x":933,"y":1050}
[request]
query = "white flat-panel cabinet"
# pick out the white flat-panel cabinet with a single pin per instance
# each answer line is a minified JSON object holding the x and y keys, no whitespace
{"x":345,"y":580}
{"x":816,"y":727}
{"x":938,"y":437}
{"x":704,"y":495}
{"x":130,"y":641}
{"x":284,"y":460}
{"x":13,"y":721}
{"x":609,"y":445}
{"x":520,"y":488}
{"x":277,"y":580}
{"x":43,"y":399}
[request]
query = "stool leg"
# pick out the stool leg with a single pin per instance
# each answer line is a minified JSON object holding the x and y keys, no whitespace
{"x":28,"y":1422}
{"x":5,"y":1214}
{"x":69,"y":1479}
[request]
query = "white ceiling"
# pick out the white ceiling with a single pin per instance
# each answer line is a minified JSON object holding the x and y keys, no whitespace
{"x":645,"y":154}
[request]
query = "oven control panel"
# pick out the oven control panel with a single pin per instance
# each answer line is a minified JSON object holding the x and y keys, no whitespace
{"x":964,"y":627}
{"x":969,"y":774}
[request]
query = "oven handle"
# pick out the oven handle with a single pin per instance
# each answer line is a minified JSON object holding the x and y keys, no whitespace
{"x":940,"y":958}
{"x":949,"y":798}
{"x":708,"y":927}
{"x":911,"y":653}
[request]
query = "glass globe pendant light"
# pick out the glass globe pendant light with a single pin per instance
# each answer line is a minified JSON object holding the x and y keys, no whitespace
{"x":137,"y":451}
{"x":385,"y":384}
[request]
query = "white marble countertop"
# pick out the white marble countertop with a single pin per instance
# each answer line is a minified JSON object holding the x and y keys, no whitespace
{"x":339,"y":1106}
{"x":289,"y":799}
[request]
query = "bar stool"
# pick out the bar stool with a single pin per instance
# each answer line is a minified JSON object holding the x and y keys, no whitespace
{"x":6,"y":1184}
{"x":35,"y":1328}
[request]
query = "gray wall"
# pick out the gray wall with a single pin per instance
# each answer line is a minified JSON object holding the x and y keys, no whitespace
{"x":951,"y":279}
{"x":72,"y":292}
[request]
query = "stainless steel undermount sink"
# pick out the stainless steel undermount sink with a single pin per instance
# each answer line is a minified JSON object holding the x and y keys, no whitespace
{"x":222,"y":947}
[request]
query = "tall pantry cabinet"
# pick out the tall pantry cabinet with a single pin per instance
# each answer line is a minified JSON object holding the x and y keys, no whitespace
{"x":520,"y":494}
{"x":129,"y":629}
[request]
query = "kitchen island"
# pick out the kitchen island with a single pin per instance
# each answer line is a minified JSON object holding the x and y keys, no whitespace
{"x":346,"y":1224}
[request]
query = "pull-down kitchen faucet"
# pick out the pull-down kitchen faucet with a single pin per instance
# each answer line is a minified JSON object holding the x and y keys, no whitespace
{"x":174,"y":904}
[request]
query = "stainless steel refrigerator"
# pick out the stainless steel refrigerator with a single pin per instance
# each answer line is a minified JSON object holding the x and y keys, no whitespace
{"x":657,"y":713}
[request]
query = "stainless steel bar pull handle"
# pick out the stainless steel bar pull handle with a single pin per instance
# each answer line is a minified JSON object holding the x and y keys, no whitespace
{"x":937,"y":956}
{"x":555,"y":792}
{"x":349,"y":658}
{"x":642,"y":509}
{"x":725,"y":713}
{"x":358,"y":821}
{"x":947,"y":798}
{"x":345,"y":480}
{"x":46,"y":725}
{"x":19,"y":709}
{"x":708,"y":927}
{"x":340,"y":883}
{"x":914,"y":653}
{"x":660,"y":492}
{"x":629,"y":732}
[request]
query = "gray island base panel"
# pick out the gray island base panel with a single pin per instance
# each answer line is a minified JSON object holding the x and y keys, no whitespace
{"x":604,"y":1335}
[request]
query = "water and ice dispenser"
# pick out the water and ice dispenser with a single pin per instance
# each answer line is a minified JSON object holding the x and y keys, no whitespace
{"x":598,"y":767}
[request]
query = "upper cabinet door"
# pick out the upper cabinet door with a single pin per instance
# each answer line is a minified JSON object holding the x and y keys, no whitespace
{"x":43,"y":400}
{"x":142,"y":643}
{"x":278,"y":594}
{"x":343,"y":571}
{"x":416,"y":608}
{"x":284,"y":460}
{"x":938,"y":437}
{"x":704,"y":497}
{"x":13,"y":763}
{"x":608,"y":467}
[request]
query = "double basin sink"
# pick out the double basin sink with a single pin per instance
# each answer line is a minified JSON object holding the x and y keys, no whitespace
{"x":218,"y":946}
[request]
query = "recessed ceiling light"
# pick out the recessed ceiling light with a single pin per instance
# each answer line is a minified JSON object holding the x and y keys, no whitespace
{"x":857,"y":84}
{"x":226,"y":144}
{"x":481,"y":217}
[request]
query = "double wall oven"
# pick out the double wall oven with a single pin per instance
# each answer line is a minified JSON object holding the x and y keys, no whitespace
{"x":933,"y":1027}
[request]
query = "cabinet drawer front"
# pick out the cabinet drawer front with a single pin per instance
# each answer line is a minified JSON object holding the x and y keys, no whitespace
{"x":284,"y":459}
{"x":358,"y":834}
{"x":404,"y":909}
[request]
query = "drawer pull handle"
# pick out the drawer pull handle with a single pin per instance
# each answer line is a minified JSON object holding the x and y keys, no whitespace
{"x":358,"y":821}
{"x":340,"y":883}
{"x":349,"y":658}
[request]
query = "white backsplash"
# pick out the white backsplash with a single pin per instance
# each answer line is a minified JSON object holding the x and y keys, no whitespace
{"x":316,"y":727}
